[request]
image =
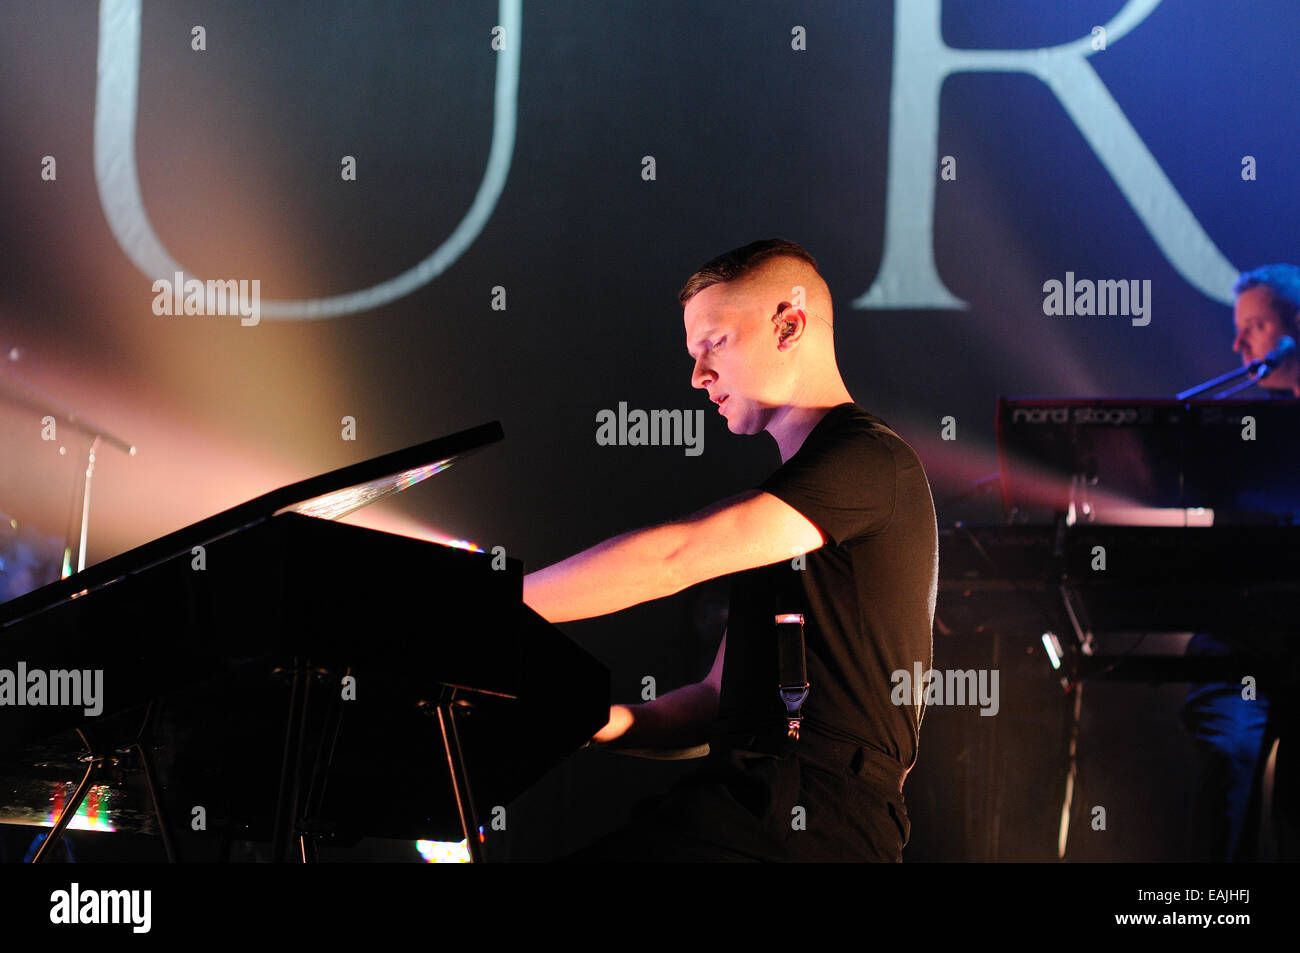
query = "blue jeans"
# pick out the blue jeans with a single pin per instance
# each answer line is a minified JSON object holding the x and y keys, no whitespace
{"x":1233,"y":736}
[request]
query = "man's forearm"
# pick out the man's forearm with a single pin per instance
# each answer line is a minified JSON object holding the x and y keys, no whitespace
{"x":620,"y":572}
{"x":676,"y":719}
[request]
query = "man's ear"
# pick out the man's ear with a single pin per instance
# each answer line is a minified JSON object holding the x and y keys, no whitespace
{"x":790,"y":324}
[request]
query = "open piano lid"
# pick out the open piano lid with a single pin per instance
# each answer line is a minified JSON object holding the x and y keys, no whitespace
{"x":211,"y":656}
{"x":328,"y":496}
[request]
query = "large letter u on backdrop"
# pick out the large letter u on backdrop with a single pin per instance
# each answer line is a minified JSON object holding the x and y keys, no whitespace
{"x":117,"y":178}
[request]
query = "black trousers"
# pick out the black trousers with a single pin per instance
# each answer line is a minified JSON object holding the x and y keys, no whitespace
{"x":817,"y":800}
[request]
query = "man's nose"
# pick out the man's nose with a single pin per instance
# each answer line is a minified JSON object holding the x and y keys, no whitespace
{"x":701,"y":376}
{"x":1238,"y":343}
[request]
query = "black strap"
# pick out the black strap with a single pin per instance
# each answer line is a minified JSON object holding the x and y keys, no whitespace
{"x":793,"y":666}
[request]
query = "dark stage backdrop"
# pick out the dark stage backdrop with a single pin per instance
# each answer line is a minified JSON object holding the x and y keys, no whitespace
{"x":472,"y":211}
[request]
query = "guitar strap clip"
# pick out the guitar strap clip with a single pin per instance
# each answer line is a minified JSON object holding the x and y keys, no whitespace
{"x":792,"y":661}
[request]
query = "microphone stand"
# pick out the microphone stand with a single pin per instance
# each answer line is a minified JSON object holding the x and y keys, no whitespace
{"x":1223,"y":379}
{"x":33,"y":399}
{"x":1263,"y":366}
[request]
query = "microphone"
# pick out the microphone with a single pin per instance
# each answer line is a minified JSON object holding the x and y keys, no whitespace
{"x":1285,"y":348}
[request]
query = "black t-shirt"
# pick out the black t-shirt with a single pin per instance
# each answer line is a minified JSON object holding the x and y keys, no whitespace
{"x":867,"y":595}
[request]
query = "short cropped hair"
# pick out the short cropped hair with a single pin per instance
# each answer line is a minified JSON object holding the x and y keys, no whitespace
{"x":739,"y":262}
{"x":1283,"y":281}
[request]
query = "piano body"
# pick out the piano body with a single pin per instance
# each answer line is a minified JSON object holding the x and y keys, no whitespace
{"x":270,"y":674}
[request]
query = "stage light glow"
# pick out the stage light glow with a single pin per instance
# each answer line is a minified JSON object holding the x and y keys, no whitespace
{"x":465,"y":544}
{"x":443,"y":852}
{"x":340,"y":503}
{"x":93,"y":814}
{"x":1053,"y":647}
{"x":387,"y":521}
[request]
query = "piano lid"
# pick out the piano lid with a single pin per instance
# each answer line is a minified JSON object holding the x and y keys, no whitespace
{"x":330,"y":495}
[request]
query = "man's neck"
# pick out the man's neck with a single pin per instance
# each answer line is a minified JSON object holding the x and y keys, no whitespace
{"x":1291,"y":390}
{"x":791,"y":425}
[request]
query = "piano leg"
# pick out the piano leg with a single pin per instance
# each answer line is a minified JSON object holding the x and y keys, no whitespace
{"x":324,"y":761}
{"x":288,"y":797}
{"x":70,"y":809}
{"x":141,"y":745}
{"x":447,"y":708}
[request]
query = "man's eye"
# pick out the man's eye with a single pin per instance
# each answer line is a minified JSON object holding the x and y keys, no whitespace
{"x":717,"y":344}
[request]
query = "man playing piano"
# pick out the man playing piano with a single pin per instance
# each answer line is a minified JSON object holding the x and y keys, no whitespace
{"x":853,"y":497}
{"x":1234,"y":735}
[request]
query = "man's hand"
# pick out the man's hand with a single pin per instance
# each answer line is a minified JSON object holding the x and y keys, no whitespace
{"x":743,"y":532}
{"x":620,"y":720}
{"x":676,"y":719}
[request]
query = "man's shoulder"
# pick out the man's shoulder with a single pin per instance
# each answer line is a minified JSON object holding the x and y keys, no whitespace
{"x":850,"y":475}
{"x":847,"y":422}
{"x":858,"y":448}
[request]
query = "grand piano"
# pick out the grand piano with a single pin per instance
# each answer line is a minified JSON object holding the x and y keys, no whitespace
{"x":269,"y":674}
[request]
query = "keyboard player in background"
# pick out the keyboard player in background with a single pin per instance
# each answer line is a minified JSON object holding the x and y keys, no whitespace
{"x":1233,"y":735}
